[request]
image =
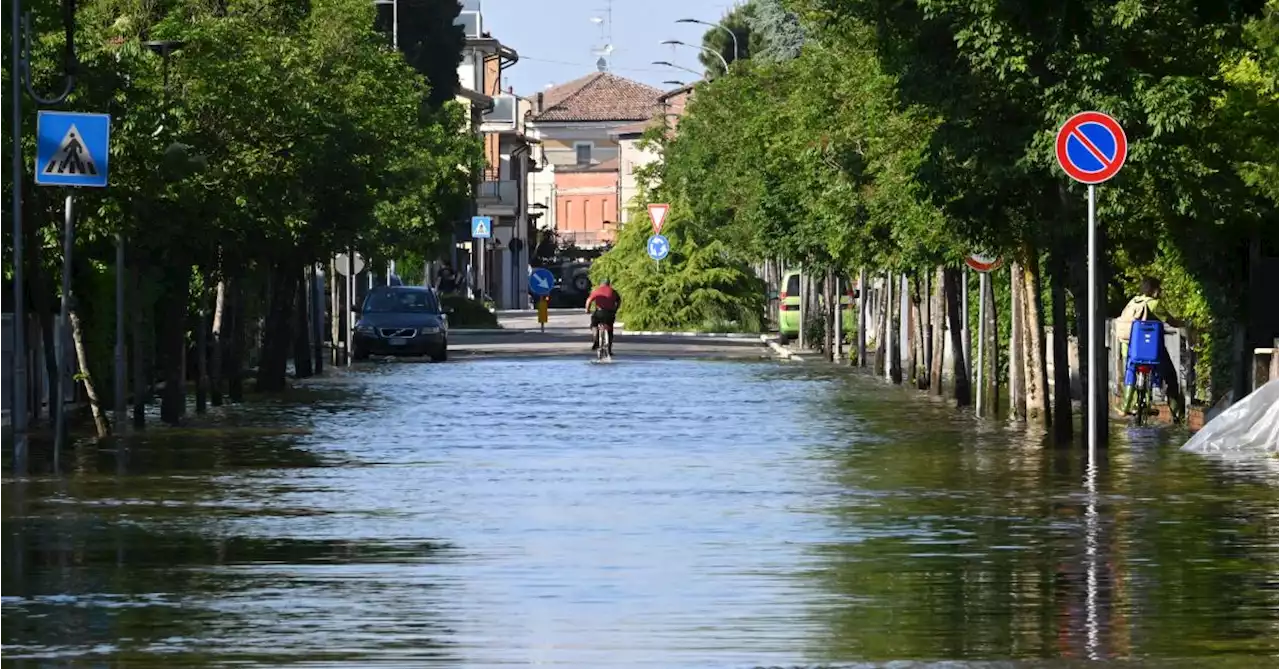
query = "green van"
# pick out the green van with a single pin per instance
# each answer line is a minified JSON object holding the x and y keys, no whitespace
{"x":789,"y":306}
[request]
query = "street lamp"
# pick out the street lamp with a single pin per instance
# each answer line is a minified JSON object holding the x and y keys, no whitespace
{"x":677,"y":42}
{"x":164,"y":49}
{"x":732,"y":35}
{"x":678,"y":67}
{"x":20,"y":40}
{"x":395,"y":21}
{"x":674,"y":82}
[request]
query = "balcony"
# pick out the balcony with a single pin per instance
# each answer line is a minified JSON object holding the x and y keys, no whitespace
{"x":498,"y":192}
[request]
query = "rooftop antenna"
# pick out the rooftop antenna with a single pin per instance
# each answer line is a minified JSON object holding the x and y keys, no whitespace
{"x":606,"y":37}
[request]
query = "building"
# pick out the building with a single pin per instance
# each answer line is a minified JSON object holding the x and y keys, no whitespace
{"x":577,"y":126}
{"x":501,"y":266}
{"x":633,"y":155}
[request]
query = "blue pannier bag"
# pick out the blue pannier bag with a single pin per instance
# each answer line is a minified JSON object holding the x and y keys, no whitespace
{"x":1144,"y":342}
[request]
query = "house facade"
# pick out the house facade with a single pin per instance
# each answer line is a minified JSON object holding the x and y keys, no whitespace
{"x":576,"y":129}
{"x":498,"y":266}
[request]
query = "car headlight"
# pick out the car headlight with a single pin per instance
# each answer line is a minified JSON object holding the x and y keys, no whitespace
{"x":364,"y":329}
{"x":429,"y":330}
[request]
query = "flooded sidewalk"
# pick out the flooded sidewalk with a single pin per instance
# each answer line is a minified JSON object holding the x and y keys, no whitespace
{"x":650,"y":512}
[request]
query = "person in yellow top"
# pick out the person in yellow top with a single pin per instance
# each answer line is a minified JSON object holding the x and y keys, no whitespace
{"x":1146,"y":306}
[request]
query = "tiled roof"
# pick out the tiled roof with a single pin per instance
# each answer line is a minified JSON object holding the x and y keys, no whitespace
{"x":599,"y":96}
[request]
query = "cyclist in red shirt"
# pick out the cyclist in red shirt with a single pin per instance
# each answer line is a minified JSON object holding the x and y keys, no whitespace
{"x":607,"y":302}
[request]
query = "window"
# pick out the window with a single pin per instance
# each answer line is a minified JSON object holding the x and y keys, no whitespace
{"x":583,"y":151}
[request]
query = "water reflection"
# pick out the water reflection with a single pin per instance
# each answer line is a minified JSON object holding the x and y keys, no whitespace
{"x":667,"y":513}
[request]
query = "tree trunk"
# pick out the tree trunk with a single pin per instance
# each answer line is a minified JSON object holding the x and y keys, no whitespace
{"x":41,"y":297}
{"x":938,"y":311}
{"x":277,"y":332}
{"x":1062,"y":429}
{"x":1033,"y":326}
{"x":233,"y":332}
{"x":173,"y":343}
{"x":316,"y":326}
{"x":951,"y":281}
{"x":202,"y":350}
{"x":139,"y":348}
{"x":302,"y":367}
{"x":891,"y":335}
{"x":1017,"y":348}
{"x":992,"y":361}
{"x":86,"y":376}
{"x":218,"y":342}
{"x":864,"y":316}
{"x":919,"y":369}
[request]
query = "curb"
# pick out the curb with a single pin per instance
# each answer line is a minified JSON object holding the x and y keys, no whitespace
{"x":704,"y":335}
{"x":483,"y":331}
{"x":781,"y":351}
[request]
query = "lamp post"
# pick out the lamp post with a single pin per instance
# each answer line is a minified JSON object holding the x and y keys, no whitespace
{"x":395,"y":21}
{"x":20,"y":77}
{"x":674,"y":82}
{"x":678,"y":67}
{"x":676,"y":42}
{"x":732,"y":35}
{"x":162,"y":48}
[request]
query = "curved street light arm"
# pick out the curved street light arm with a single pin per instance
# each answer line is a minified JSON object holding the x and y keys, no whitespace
{"x":69,"y":64}
{"x":732,"y":35}
{"x":704,"y":48}
{"x":678,"y":67}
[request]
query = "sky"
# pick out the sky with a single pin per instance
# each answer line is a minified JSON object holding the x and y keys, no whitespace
{"x":556,"y":38}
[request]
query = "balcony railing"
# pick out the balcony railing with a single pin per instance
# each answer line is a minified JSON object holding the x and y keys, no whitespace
{"x":502,"y":191}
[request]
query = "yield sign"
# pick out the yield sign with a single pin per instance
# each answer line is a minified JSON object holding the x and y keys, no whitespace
{"x":658,"y":215}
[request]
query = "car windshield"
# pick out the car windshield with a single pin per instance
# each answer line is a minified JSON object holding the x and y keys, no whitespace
{"x":400,"y":301}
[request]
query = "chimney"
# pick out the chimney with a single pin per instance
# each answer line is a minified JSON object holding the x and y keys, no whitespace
{"x":538,"y":106}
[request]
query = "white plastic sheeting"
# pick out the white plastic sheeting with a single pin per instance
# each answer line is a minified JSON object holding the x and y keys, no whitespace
{"x":1250,"y":425}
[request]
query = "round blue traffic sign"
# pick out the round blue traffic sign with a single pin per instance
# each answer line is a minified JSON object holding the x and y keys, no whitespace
{"x":1091,"y":147}
{"x":659,"y":247}
{"x":541,"y":281}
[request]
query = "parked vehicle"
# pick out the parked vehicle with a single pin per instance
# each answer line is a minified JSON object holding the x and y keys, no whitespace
{"x":789,"y":306}
{"x":401,"y":321}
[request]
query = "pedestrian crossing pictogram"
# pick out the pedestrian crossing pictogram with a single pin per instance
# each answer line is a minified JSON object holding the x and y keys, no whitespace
{"x":72,"y":157}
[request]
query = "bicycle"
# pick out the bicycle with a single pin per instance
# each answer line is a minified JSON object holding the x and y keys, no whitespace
{"x":1145,"y":339}
{"x":604,"y":342}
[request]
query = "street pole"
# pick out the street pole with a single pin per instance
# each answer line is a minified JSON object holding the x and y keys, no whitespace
{"x":20,"y":77}
{"x":119,"y":399}
{"x":982,"y":336}
{"x":395,"y":24}
{"x":62,"y":383}
{"x":966,"y":342}
{"x":1093,"y":332}
{"x":351,"y":304}
{"x":20,"y":388}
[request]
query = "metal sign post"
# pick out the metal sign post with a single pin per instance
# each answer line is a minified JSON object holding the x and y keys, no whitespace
{"x":72,"y":149}
{"x":982,"y":264}
{"x":1091,"y":148}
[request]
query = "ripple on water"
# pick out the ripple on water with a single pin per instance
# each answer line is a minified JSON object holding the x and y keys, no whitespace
{"x":651,"y":512}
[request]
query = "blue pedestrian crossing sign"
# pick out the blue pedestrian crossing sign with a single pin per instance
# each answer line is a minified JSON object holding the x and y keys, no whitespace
{"x":541,"y":281}
{"x":72,"y":149}
{"x":481,"y":227}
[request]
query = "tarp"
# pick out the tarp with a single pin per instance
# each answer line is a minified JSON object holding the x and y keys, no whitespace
{"x":1249,"y":425}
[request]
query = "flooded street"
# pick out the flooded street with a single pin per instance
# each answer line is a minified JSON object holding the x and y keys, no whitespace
{"x":661,"y":513}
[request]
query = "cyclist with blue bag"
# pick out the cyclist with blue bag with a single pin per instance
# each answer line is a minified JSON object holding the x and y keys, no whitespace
{"x":1144,"y":318}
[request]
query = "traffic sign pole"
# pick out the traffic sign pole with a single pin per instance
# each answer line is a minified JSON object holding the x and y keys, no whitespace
{"x":1091,"y":148}
{"x":1093,"y":331}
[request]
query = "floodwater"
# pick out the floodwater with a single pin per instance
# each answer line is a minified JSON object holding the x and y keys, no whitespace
{"x":657,"y":513}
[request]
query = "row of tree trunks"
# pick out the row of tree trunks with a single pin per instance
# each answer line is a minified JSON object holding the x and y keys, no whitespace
{"x":1062,"y":426}
{"x":278,"y":328}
